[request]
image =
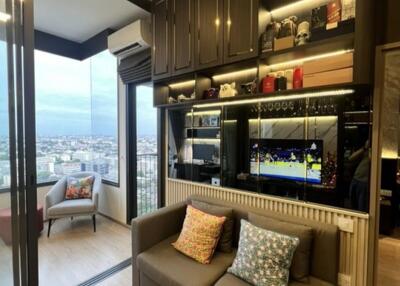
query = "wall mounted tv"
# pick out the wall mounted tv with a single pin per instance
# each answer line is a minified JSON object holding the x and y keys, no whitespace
{"x":290,"y":159}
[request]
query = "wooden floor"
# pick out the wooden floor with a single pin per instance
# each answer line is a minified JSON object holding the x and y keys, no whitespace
{"x":74,"y":253}
{"x":389,"y":261}
{"x":123,"y":278}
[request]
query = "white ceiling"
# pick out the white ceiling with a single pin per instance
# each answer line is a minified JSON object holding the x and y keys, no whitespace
{"x":79,"y":20}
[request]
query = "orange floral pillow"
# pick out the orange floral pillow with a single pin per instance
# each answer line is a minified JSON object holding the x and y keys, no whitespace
{"x":200,"y":234}
{"x":79,"y":188}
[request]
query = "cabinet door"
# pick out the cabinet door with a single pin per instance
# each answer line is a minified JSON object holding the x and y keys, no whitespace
{"x":182,"y":49}
{"x":160,"y":56}
{"x":240,"y":30}
{"x":209,"y":28}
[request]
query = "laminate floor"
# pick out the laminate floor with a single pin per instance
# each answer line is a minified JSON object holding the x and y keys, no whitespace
{"x":389,"y":260}
{"x":74,"y":253}
{"x":122,"y":278}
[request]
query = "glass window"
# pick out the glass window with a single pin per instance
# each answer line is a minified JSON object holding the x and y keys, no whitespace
{"x":76,"y":116}
{"x":4,"y":153}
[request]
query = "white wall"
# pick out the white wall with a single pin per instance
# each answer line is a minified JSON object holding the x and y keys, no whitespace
{"x":112,"y":201}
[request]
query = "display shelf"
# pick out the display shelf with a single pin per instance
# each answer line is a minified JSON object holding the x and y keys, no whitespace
{"x":344,"y":41}
{"x":279,"y":95}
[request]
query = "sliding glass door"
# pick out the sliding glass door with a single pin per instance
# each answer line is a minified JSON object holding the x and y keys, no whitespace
{"x":18,"y":216}
{"x":143,"y":151}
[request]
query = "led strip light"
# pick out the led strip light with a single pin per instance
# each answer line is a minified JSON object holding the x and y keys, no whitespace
{"x":4,"y":17}
{"x":338,"y":92}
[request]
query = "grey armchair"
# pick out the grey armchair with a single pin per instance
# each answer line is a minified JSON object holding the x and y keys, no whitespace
{"x":57,"y":207}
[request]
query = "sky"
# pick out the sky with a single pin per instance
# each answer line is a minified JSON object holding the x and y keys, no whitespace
{"x":77,"y":97}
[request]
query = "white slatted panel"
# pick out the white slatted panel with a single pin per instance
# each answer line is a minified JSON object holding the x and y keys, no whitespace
{"x":353,"y":245}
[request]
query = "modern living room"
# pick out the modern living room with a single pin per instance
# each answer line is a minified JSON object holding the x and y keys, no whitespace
{"x":199,"y":142}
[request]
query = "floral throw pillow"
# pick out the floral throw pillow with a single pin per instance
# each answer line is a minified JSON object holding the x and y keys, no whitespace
{"x":79,"y":188}
{"x":263,"y":257}
{"x":200,"y":234}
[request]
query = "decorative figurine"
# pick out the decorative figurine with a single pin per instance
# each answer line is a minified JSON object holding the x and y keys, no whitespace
{"x":288,"y":27}
{"x":303,"y":33}
{"x":228,"y":90}
{"x":172,"y":100}
{"x":267,"y":38}
{"x":250,"y":87}
{"x":211,"y":93}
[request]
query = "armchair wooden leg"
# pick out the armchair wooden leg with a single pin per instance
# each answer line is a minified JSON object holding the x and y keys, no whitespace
{"x":94,"y":222}
{"x":49,"y":227}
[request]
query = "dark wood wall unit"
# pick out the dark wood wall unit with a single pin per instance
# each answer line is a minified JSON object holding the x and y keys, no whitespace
{"x":388,"y":22}
{"x":182,"y":32}
{"x":160,"y":54}
{"x":241,"y":30}
{"x":209,"y":29}
{"x":364,"y":42}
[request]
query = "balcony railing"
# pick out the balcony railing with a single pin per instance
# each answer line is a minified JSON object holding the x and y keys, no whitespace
{"x":147,"y":182}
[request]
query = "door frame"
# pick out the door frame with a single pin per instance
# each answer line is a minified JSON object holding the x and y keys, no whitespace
{"x":131,"y":152}
{"x":22,"y":140}
{"x":376,"y":158}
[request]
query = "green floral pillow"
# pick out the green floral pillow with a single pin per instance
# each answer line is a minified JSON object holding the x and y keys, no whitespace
{"x":263,"y":257}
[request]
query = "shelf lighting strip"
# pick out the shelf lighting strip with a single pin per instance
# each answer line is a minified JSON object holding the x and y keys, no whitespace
{"x":299,"y":119}
{"x":294,"y":8}
{"x":182,"y":84}
{"x":301,"y":61}
{"x":4,"y":17}
{"x":230,"y":75}
{"x":210,"y":112}
{"x":339,"y":92}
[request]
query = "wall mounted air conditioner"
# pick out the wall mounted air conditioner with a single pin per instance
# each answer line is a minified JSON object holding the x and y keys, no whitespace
{"x":131,"y":39}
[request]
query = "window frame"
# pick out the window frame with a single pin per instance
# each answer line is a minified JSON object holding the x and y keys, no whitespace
{"x":104,"y":181}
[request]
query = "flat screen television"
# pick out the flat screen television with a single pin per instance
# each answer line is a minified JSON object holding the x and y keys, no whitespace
{"x":296,"y":160}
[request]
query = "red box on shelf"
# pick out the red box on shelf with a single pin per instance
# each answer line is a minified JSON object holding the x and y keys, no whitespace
{"x":268,"y":84}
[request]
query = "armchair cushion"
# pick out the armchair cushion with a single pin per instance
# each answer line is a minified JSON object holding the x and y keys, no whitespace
{"x":79,"y":188}
{"x":71,"y":207}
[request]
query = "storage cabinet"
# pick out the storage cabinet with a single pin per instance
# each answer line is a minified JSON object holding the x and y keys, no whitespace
{"x":241,"y":30}
{"x":182,"y":32}
{"x":199,"y":34}
{"x":161,"y":35}
{"x":209,"y":27}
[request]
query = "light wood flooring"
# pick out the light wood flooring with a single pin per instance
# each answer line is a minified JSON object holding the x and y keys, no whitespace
{"x":74,"y":253}
{"x":389,"y":260}
{"x":123,"y":278}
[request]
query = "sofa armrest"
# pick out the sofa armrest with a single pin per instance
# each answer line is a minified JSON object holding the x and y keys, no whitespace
{"x":150,"y":229}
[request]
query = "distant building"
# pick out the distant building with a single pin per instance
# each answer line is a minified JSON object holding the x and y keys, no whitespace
{"x":99,"y":166}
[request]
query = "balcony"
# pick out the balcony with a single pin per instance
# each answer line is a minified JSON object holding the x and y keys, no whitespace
{"x":147,"y":181}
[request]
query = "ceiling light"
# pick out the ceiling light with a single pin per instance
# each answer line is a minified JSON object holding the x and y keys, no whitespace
{"x":4,"y":17}
{"x":338,"y":92}
{"x":307,"y":59}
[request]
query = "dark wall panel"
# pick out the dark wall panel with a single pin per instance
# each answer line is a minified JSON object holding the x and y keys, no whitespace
{"x":57,"y":45}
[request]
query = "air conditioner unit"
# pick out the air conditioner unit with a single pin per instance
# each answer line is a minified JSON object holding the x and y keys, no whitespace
{"x":131,"y":39}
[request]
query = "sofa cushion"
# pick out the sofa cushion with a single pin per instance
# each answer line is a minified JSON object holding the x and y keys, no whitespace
{"x":231,"y":280}
{"x":71,"y":207}
{"x":264,"y":257}
{"x":326,"y":236}
{"x":225,"y":242}
{"x":300,"y":268}
{"x":200,"y":235}
{"x":168,"y":267}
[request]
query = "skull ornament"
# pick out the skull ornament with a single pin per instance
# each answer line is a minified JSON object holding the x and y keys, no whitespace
{"x":303,"y":33}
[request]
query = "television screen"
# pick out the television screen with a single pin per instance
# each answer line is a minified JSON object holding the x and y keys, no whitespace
{"x":297,"y":160}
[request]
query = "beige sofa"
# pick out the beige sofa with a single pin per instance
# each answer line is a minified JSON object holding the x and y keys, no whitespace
{"x":156,"y":262}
